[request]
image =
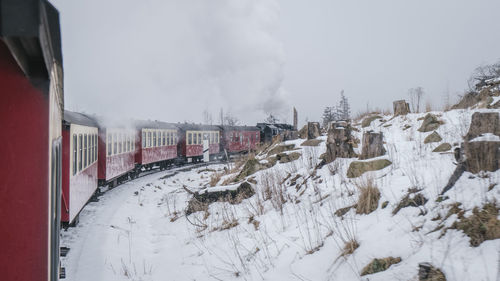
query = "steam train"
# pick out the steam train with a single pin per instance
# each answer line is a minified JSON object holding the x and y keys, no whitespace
{"x":53,"y":161}
{"x":98,"y":154}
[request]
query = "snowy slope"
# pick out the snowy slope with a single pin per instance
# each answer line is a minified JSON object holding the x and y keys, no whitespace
{"x":287,"y":231}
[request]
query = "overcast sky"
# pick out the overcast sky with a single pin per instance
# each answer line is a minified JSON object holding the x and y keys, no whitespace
{"x":172,"y":60}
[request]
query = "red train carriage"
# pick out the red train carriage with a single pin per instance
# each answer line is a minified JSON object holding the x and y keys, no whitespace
{"x":240,"y":139}
{"x":79,"y":175}
{"x":156,"y":144}
{"x":30,"y":117}
{"x":116,"y":157}
{"x":195,"y":139}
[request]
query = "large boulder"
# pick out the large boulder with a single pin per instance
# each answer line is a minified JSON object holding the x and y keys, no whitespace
{"x":442,"y":147}
{"x":373,"y":145}
{"x":313,"y":130}
{"x":430,"y":123}
{"x":339,"y":142}
{"x":357,"y":168}
{"x":401,"y":107}
{"x":482,"y":123}
{"x":434,"y":137}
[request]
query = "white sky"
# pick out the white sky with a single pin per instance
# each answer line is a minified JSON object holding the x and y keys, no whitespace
{"x":172,"y":60}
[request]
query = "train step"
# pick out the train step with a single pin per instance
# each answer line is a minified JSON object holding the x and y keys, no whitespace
{"x":63,"y":251}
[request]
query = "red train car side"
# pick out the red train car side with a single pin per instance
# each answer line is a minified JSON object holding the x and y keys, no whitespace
{"x":79,"y":175}
{"x":240,"y":139}
{"x":116,"y":157}
{"x":30,"y":117}
{"x":192,"y":138}
{"x":158,"y":145}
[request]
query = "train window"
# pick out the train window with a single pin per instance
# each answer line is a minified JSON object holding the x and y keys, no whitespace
{"x":115,"y":143}
{"x":154,"y":139}
{"x":199,"y":138}
{"x":75,"y":153}
{"x":96,"y":147}
{"x":91,"y":149}
{"x":86,"y":140}
{"x":143,"y":139}
{"x":84,"y":151}
{"x":189,"y":138}
{"x":110,"y":144}
{"x":119,"y":143}
{"x":80,"y":140}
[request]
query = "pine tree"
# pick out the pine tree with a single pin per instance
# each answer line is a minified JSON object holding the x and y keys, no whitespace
{"x":344,"y":109}
{"x":327,"y":116}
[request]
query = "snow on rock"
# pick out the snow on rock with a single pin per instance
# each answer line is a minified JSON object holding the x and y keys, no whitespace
{"x":288,"y":229}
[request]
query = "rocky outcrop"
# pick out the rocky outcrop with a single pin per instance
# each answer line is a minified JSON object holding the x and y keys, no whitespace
{"x":357,"y":168}
{"x":373,"y":145}
{"x":434,"y":137}
{"x":430,"y":123}
{"x":482,"y":143}
{"x":339,"y":142}
{"x":483,"y":97}
{"x":483,"y":123}
{"x":401,"y":107}
{"x":313,"y":130}
{"x":482,"y":156}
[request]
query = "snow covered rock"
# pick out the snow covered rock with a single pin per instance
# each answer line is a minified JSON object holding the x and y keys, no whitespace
{"x":201,"y":200}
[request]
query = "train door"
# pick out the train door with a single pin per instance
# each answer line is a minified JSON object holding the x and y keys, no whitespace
{"x":55,"y":208}
{"x":206,"y":148}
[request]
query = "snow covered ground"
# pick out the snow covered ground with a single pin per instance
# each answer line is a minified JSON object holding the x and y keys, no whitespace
{"x":289,"y":230}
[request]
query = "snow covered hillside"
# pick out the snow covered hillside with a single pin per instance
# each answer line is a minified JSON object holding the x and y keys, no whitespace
{"x":300,"y":222}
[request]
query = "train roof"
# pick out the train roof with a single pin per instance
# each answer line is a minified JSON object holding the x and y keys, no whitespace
{"x":197,"y":127}
{"x":31,"y":29}
{"x":240,"y":128}
{"x":71,"y":117}
{"x":154,"y":124}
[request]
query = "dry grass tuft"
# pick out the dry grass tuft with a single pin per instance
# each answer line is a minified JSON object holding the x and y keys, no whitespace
{"x":482,"y":225}
{"x":369,"y":195}
{"x":350,"y":247}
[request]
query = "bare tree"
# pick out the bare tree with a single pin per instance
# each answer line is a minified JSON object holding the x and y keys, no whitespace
{"x":481,"y":74}
{"x":416,"y":95}
{"x":231,"y":120}
{"x":207,"y":117}
{"x":221,"y":117}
